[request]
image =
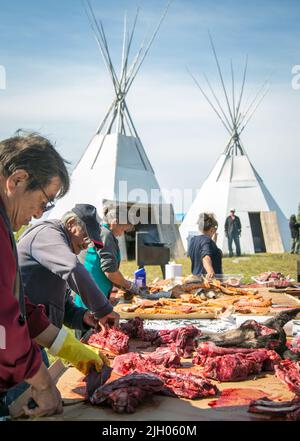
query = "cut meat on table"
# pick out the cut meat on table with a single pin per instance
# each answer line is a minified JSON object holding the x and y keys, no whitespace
{"x":186,"y":385}
{"x":237,"y":397}
{"x":235,"y":366}
{"x":161,"y":358}
{"x":288,"y":372}
{"x":110,"y":339}
{"x":177,"y":383}
{"x":288,"y":409}
{"x":133,"y":328}
{"x":210,"y":349}
{"x":252,"y":334}
{"x":96,"y":379}
{"x":181,"y":338}
{"x":127,"y":393}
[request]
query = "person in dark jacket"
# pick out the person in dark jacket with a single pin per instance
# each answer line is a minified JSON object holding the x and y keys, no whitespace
{"x":294,"y":227}
{"x":233,"y":229}
{"x":48,"y":257}
{"x":206,"y":257}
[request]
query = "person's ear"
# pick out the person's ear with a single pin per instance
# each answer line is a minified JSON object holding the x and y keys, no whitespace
{"x":16,"y":179}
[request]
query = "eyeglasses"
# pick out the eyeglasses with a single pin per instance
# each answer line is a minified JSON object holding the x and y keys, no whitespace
{"x":48,"y":205}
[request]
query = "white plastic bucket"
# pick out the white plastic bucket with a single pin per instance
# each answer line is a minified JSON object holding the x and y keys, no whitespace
{"x":173,"y":270}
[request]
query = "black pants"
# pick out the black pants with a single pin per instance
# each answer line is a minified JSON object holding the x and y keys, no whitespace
{"x":236,"y":240}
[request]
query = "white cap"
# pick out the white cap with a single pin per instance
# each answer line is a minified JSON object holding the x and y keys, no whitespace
{"x":232,"y":209}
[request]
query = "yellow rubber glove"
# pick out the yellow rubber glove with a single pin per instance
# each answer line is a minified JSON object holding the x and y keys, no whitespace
{"x":81,"y":356}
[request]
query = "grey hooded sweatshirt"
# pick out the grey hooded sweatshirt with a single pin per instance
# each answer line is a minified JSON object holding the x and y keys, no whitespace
{"x":49,"y":267}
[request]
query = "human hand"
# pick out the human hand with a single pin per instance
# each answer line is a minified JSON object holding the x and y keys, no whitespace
{"x":210,"y":275}
{"x":90,"y":320}
{"x":134,"y":289}
{"x":45,"y":395}
{"x":110,"y":319}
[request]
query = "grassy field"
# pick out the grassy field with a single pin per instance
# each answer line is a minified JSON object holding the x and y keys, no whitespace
{"x":247,"y":265}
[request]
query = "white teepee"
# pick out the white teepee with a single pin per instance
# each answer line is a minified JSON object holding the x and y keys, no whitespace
{"x":115,"y":167}
{"x":234,"y":182}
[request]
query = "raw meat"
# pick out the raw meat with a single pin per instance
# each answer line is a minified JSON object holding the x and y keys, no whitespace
{"x":179,"y":384}
{"x":110,"y":339}
{"x":125,"y":394}
{"x":289,"y":409}
{"x":252,"y":334}
{"x":288,"y":372}
{"x":133,"y":328}
{"x":210,"y":349}
{"x":186,"y":385}
{"x":96,"y":379}
{"x":161,"y":358}
{"x":235,"y":366}
{"x":237,"y":397}
{"x":181,"y":338}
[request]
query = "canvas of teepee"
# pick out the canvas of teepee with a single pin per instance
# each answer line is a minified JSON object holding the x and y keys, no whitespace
{"x":115,"y":168}
{"x":233,"y":182}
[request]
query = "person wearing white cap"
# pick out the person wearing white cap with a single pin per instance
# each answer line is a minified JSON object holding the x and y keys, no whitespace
{"x":233,"y":229}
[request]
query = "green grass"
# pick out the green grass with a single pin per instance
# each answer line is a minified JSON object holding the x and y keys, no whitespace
{"x":248,"y":265}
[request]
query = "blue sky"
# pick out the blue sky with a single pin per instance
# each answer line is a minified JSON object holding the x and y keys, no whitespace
{"x":58,"y":85}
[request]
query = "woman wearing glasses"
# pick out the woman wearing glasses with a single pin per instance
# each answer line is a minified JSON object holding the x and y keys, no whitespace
{"x":206,"y":257}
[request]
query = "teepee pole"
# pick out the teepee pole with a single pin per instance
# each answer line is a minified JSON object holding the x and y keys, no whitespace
{"x":259,"y":93}
{"x":102,"y":43}
{"x":149,"y":45}
{"x":254,"y":110}
{"x":100,"y":128}
{"x":238,"y":114}
{"x":210,"y":103}
{"x":233,"y":92}
{"x":218,"y":102}
{"x":221,"y":76}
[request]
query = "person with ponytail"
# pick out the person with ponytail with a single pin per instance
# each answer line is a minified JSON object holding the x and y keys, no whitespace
{"x":206,"y":257}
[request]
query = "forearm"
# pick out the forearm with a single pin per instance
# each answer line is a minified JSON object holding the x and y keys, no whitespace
{"x":118,"y":279}
{"x":81,"y":282}
{"x":47,"y":337}
{"x":207,"y":263}
{"x":41,"y":380}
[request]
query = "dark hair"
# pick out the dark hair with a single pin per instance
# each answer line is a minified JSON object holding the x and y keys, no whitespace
{"x":206,"y":221}
{"x":293,"y":218}
{"x":36,"y":155}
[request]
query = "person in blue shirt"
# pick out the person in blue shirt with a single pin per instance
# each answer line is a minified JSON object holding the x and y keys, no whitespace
{"x":206,"y":257}
{"x":103,"y":260}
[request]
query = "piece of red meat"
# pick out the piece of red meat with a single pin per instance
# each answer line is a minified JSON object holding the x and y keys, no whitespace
{"x":182,"y":338}
{"x":162,"y":358}
{"x":125,"y":394}
{"x":186,"y":385}
{"x":289,"y":409}
{"x":133,"y":327}
{"x":110,"y":339}
{"x":177,"y":384}
{"x":235,"y":366}
{"x":288,"y":372}
{"x":210,"y":349}
{"x":96,"y":379}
